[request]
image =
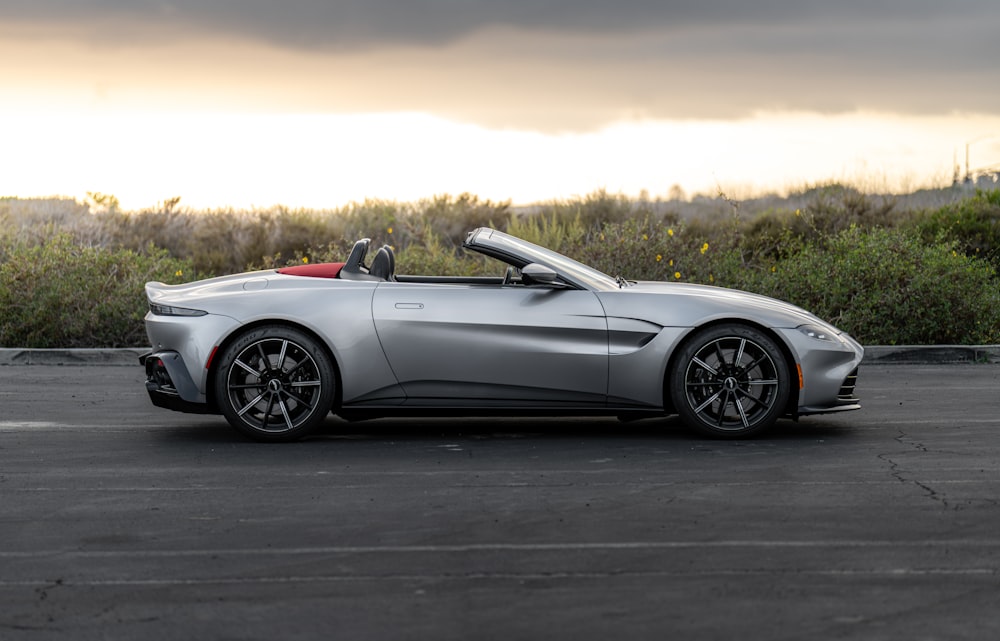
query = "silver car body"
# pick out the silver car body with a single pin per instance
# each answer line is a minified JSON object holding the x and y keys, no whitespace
{"x":583,"y":343}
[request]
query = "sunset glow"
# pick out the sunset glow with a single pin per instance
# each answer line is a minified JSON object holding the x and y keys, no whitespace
{"x":289,"y":109}
{"x":255,"y":160}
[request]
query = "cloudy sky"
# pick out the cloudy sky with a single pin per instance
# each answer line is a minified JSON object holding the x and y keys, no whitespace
{"x":316,"y":103}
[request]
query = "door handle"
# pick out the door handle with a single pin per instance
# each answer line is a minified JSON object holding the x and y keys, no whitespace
{"x":409,"y":305}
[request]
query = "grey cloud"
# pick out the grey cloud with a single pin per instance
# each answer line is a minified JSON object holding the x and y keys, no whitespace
{"x":596,"y":59}
{"x":374,"y":23}
{"x":893,"y":33}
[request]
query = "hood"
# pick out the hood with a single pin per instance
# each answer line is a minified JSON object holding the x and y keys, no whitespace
{"x":735,"y":296}
{"x":687,"y":305}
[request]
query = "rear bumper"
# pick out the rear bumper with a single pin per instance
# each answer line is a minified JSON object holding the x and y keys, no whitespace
{"x":169,"y":385}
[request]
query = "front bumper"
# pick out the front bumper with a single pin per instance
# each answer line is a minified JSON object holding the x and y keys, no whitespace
{"x":846,"y":399}
{"x":828,"y":370}
{"x":170,"y":386}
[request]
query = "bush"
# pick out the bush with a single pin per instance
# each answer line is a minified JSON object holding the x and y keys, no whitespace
{"x":890,"y":287}
{"x":72,"y":276}
{"x":61,"y":294}
{"x":974,"y":223}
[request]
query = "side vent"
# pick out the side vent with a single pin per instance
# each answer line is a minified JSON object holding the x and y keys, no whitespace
{"x":846,"y":393}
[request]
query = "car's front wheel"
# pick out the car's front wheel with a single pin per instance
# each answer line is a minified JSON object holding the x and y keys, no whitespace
{"x":730,"y":380}
{"x":275,"y":383}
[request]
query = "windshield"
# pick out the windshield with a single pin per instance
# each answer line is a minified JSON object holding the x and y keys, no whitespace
{"x":520,"y":253}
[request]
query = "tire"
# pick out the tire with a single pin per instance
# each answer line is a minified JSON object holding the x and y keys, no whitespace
{"x":275,"y":383}
{"x":730,"y":381}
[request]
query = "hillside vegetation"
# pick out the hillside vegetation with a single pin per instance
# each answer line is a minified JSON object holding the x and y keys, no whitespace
{"x":883,"y":268}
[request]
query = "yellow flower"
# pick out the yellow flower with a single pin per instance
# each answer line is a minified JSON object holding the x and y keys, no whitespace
{"x":305,"y":260}
{"x":798,"y":212}
{"x":645,"y":237}
{"x":179,"y":273}
{"x":389,"y":230}
{"x":659,"y":258}
{"x":677,"y":275}
{"x":711,"y":278}
{"x":704,"y":248}
{"x":774,"y":268}
{"x":671,"y":262}
{"x":670,"y":232}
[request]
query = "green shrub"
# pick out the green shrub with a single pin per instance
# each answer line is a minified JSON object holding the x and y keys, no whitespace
{"x":974,"y":223}
{"x":889,"y":287}
{"x":72,"y":275}
{"x":836,"y":207}
{"x":435,"y":257}
{"x":61,"y":294}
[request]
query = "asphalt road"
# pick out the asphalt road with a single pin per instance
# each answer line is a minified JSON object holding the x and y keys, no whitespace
{"x":123,"y":521}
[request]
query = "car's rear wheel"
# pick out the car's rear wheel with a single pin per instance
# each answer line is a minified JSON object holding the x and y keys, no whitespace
{"x":730,"y":380}
{"x":275,"y":383}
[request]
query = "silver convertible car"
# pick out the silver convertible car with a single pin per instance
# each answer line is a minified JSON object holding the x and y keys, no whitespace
{"x":276,"y":351}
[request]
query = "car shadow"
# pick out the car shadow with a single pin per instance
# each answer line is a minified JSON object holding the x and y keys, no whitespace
{"x":659,"y":429}
{"x":215,"y":430}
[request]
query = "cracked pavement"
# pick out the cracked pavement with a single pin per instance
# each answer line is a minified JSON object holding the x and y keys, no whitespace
{"x":124,"y":521}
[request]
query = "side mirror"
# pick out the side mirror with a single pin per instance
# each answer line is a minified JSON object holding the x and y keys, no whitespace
{"x":535,"y":274}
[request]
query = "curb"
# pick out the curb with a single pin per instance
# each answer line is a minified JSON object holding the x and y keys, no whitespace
{"x":121,"y":356}
{"x":874,"y":355}
{"x":930,"y":354}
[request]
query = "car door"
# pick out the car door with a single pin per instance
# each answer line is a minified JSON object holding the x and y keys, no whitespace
{"x":468,"y":345}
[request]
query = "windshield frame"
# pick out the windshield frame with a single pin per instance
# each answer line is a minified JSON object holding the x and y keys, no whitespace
{"x":518,"y":252}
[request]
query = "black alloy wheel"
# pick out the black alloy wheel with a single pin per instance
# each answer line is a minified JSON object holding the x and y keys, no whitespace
{"x":730,"y":381}
{"x":275,"y":383}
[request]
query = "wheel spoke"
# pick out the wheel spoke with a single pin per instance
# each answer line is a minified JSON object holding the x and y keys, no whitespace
{"x":719,"y":353}
{"x":306,"y":383}
{"x":757,"y":362}
{"x":299,"y":400}
{"x":247,"y":386}
{"x":250,"y":404}
{"x":700,"y":363}
{"x":265,"y":361}
{"x":722,"y":408}
{"x":708,"y":402}
{"x":739,"y":352}
{"x":739,"y":408}
{"x":753,"y":398}
{"x":267,"y":412}
{"x":281,"y":355}
{"x":246,"y":367}
{"x":284,"y":412}
{"x":770,"y":381}
{"x":295,"y":367}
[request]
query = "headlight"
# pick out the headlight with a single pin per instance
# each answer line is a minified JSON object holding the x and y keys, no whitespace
{"x":819,"y":333}
{"x":170,"y":310}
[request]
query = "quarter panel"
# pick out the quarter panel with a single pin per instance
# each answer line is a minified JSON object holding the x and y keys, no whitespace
{"x":338,"y":312}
